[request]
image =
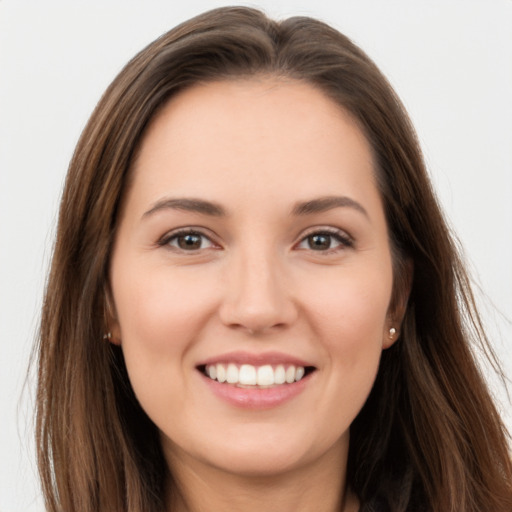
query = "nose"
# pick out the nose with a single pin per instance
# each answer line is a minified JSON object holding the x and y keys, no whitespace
{"x":258,"y":296}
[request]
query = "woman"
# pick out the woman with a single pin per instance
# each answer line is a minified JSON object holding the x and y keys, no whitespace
{"x":254,"y":300}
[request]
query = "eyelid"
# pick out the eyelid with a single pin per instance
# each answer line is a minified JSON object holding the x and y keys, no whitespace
{"x":346,"y":241}
{"x":164,"y":240}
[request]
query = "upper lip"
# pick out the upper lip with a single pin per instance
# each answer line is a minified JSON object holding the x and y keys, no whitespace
{"x":260,"y":359}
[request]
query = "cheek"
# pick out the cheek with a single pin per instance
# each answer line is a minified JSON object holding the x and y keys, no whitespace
{"x":351,"y":306}
{"x":161,"y":313}
{"x":349,"y":316}
{"x":160,"y":308}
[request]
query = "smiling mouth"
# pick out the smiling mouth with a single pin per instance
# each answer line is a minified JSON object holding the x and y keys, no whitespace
{"x":249,"y":376}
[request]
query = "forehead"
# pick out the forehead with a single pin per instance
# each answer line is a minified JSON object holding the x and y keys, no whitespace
{"x":252,"y":135}
{"x":266,"y":106}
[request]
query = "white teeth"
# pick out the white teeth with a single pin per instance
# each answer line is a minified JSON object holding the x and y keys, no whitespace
{"x":249,"y":375}
{"x":265,"y":375}
{"x":279,"y":375}
{"x":232,"y":374}
{"x":212,"y":371}
{"x":221,"y":373}
{"x":290,"y":374}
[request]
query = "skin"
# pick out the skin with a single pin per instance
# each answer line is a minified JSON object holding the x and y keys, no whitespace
{"x":254,"y":283}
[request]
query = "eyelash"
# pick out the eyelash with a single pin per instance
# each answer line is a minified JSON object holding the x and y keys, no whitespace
{"x":344,"y":240}
{"x":175,"y":235}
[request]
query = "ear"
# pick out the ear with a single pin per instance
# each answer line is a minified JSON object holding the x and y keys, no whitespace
{"x":112,"y":328}
{"x":402,"y":285}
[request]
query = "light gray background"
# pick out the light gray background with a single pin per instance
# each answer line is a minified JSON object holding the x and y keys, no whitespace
{"x":450,"y":61}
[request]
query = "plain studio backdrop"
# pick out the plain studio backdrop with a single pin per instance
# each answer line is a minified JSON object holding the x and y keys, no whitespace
{"x":450,"y":61}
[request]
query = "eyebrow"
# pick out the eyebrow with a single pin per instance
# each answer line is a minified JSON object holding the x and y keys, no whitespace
{"x":323,"y":204}
{"x":203,"y":207}
{"x":187,"y":204}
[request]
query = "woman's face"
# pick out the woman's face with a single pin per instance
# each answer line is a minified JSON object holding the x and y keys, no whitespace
{"x":251,"y":276}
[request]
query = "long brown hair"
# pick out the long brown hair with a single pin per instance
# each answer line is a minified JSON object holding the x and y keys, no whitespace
{"x":428,"y":438}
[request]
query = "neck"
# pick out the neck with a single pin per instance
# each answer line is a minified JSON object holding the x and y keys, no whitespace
{"x":318,"y":486}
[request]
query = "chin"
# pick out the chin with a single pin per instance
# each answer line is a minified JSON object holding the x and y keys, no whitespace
{"x":259,"y":464}
{"x":261,"y":452}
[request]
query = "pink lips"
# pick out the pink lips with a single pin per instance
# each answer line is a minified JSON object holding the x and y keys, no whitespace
{"x":255,"y":359}
{"x":255,"y":397}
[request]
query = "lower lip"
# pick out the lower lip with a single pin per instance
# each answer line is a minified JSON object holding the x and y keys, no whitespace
{"x":256,"y":398}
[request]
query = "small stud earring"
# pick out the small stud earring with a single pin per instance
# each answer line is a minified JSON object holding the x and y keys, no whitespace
{"x":392,"y":332}
{"x":107,"y":336}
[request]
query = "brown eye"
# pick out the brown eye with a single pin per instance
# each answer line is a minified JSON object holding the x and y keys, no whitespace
{"x":319,"y":242}
{"x":188,"y":241}
{"x":326,"y":241}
